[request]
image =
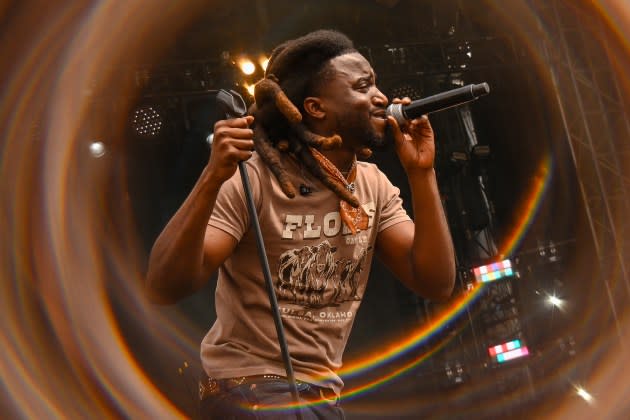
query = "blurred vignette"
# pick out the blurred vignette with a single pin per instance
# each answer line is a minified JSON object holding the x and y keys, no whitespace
{"x":79,"y":338}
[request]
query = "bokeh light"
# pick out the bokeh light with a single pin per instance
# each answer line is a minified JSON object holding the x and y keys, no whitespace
{"x":97,"y":149}
{"x":247,"y":66}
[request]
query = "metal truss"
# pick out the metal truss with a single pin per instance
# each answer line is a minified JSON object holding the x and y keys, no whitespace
{"x":598,"y":131}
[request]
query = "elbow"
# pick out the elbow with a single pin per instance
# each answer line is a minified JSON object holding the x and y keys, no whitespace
{"x":157,"y":298}
{"x":446,"y":284}
{"x":440,"y":285}
{"x":158,"y":295}
{"x":442,"y":294}
{"x":169,"y":289}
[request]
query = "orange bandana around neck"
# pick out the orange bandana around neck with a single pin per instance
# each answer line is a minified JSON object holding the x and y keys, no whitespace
{"x":355,"y":218}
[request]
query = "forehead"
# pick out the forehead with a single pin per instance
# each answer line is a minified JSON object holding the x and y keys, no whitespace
{"x":351,"y":65}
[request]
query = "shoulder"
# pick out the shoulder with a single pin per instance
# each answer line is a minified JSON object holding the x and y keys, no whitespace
{"x":256,"y":163}
{"x":371,"y":172}
{"x":368,"y":167}
{"x":257,"y":169}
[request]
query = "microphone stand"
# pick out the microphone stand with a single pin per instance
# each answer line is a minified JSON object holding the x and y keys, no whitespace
{"x":234,"y":106}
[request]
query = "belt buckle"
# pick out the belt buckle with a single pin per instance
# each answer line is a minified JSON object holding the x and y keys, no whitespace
{"x":208,"y":388}
{"x":234,"y":382}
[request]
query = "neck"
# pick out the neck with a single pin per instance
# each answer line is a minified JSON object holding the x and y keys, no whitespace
{"x":341,"y":158}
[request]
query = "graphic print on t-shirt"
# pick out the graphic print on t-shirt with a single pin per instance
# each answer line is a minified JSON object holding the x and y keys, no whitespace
{"x":313,"y":277}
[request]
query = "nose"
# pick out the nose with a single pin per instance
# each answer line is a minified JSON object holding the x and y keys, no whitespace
{"x":379,"y":98}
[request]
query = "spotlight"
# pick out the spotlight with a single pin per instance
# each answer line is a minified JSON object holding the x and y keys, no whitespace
{"x":147,"y":121}
{"x":508,"y":351}
{"x":263,"y":61}
{"x":247,"y":66}
{"x":555,"y":301}
{"x":494,"y":271}
{"x":97,"y":149}
{"x":584,"y":394}
{"x":250,"y":88}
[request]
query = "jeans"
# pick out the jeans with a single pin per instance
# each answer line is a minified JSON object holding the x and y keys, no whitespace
{"x":255,"y":402}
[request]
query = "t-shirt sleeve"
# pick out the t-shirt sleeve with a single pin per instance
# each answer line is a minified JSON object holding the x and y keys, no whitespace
{"x":230,"y":213}
{"x":392,"y":210}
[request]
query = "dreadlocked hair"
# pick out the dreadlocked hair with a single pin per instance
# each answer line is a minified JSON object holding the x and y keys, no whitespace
{"x":295,"y":70}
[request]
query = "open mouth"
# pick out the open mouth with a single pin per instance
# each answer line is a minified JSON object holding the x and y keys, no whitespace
{"x":381,"y":114}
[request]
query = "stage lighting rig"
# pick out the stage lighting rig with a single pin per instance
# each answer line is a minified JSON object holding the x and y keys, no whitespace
{"x":458,"y":55}
{"x":147,"y":121}
{"x":494,"y":271}
{"x":249,"y":69}
{"x":403,"y":90}
{"x":455,"y":374}
{"x":510,"y":350}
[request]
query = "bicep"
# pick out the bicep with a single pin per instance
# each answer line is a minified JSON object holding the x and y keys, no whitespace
{"x":393,"y":248}
{"x":217,"y":247}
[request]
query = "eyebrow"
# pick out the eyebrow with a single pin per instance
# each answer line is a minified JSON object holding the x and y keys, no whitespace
{"x":370,"y":77}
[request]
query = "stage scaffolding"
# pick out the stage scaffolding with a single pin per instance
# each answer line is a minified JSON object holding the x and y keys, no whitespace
{"x":594,"y":114}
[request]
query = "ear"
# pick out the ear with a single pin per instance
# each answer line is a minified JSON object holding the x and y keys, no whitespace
{"x":314,"y":107}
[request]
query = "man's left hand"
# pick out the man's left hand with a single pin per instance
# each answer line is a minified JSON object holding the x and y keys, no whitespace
{"x":415,"y":144}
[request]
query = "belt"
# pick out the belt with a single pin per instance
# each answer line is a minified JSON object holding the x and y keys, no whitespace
{"x":212,"y":386}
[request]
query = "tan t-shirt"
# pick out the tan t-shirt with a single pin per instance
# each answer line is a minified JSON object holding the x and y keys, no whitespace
{"x":319,"y":270}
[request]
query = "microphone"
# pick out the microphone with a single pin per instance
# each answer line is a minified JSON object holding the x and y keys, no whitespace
{"x":437,"y":102}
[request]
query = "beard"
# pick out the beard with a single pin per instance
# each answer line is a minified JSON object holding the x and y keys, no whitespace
{"x":360,"y":127}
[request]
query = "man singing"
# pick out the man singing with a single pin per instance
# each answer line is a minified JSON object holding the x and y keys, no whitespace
{"x":323,"y":215}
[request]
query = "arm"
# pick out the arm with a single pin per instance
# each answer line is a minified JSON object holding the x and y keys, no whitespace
{"x":420,"y":253}
{"x":188,"y":251}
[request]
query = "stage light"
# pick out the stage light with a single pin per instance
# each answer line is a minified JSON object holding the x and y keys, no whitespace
{"x":454,"y":374}
{"x":263,"y":61}
{"x":147,"y":121}
{"x":494,"y":271}
{"x":250,"y":88}
{"x":247,"y":66}
{"x":508,"y":351}
{"x":97,"y":149}
{"x":584,"y":394}
{"x":555,"y":301}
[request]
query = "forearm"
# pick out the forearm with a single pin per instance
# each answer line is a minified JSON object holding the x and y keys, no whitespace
{"x":176,"y":261}
{"x":432,"y":255}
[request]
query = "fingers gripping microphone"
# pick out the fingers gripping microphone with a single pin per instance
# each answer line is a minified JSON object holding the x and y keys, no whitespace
{"x":437,"y":102}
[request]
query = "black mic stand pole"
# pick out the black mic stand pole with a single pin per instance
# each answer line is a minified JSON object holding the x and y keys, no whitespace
{"x":234,"y":106}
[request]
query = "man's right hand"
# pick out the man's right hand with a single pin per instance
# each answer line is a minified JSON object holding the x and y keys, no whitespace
{"x":232,"y":142}
{"x":188,"y":250}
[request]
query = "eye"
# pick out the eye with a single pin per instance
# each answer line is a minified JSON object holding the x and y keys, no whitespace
{"x":363,"y":85}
